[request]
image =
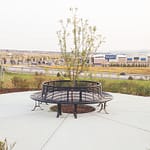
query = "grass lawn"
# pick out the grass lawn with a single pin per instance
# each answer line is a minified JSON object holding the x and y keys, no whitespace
{"x":32,"y":81}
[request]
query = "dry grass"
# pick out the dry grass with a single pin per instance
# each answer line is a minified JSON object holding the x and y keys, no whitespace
{"x":129,"y":70}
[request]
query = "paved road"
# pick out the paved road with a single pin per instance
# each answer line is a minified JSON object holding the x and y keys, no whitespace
{"x":35,"y":69}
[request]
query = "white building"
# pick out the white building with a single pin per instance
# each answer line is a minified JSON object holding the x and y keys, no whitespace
{"x":121,"y":59}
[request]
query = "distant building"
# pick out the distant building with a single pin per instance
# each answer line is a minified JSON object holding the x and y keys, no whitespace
{"x":54,"y":58}
{"x":120,"y":59}
{"x":138,"y":60}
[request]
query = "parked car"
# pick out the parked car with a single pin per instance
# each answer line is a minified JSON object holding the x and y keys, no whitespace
{"x":122,"y":73}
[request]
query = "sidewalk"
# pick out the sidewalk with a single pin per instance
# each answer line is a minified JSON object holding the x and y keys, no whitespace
{"x":127,"y":127}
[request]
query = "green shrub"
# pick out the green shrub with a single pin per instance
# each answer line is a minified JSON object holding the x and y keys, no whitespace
{"x":113,"y":87}
{"x":143,"y":90}
{"x":58,"y":74}
{"x":122,"y":73}
{"x":147,"y":91}
{"x":1,"y":84}
{"x":4,"y":145}
{"x":38,"y":80}
{"x":134,"y":87}
{"x":102,"y":81}
{"x":130,"y":78}
{"x":19,"y":82}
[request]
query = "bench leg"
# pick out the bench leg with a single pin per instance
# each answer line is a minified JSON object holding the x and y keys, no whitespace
{"x":37,"y":104}
{"x":75,"y":111}
{"x":98,"y":104}
{"x":103,"y":107}
{"x":58,"y":110}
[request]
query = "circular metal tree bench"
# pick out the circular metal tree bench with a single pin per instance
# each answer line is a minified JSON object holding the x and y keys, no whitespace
{"x":65,"y":92}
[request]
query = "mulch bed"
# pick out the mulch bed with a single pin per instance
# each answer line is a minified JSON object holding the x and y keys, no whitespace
{"x":70,"y":108}
{"x":3,"y":91}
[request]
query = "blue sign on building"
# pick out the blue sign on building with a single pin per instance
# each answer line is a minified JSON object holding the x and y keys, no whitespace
{"x":110,"y":56}
{"x":143,"y":59}
{"x":129,"y":59}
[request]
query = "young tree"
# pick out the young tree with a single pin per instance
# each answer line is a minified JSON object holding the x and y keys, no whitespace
{"x":77,"y":41}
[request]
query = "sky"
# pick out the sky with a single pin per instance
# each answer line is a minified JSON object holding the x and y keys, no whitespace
{"x":32,"y":24}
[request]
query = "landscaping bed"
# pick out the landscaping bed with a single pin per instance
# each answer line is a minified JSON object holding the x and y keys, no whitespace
{"x":10,"y":90}
{"x":70,"y":108}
